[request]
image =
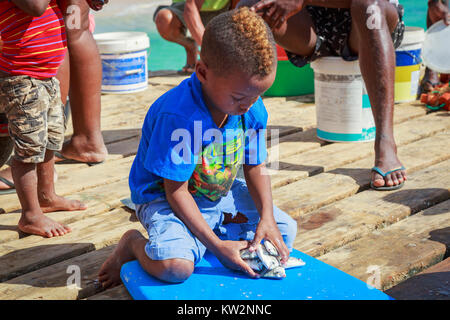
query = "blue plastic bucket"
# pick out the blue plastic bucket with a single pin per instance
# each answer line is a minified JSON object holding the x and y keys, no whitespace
{"x":124,"y":61}
{"x":343,"y":108}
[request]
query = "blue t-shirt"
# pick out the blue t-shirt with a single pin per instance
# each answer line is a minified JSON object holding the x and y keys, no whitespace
{"x":181,"y":142}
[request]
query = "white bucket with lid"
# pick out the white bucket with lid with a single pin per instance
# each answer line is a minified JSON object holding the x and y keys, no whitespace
{"x":342,"y":105}
{"x":124,"y":61}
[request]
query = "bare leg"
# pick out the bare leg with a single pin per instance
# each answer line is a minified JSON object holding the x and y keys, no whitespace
{"x":377,"y":61}
{"x":170,"y":28}
{"x":430,"y":77}
{"x":49,"y":201}
{"x":132,"y":246}
{"x":33,"y":220}
{"x":86,"y":144}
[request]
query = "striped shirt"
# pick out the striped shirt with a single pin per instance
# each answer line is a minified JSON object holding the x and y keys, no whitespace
{"x":33,"y":46}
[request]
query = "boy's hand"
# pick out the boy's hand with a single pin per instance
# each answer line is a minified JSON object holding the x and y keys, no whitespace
{"x":229,"y":254}
{"x":97,"y":4}
{"x":267,"y":229}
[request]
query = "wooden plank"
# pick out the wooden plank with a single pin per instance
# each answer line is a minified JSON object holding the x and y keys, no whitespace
{"x":431,"y":284}
{"x":99,"y":200}
{"x":31,"y":253}
{"x":116,"y":293}
{"x":335,"y":155}
{"x":349,"y":219}
{"x":54,"y":282}
{"x":396,"y":252}
{"x":70,"y":182}
{"x":317,"y":191}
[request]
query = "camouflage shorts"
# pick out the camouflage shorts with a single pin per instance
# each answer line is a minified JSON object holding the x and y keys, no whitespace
{"x":35,"y":116}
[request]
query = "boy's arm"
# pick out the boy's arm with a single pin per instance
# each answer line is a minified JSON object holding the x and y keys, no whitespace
{"x":34,"y":8}
{"x":259,"y":187}
{"x":185,"y":208}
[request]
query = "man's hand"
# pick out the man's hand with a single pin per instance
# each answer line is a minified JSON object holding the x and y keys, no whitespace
{"x":438,"y":11}
{"x":276,"y":12}
{"x":229,"y":254}
{"x":97,"y":4}
{"x":267,"y":229}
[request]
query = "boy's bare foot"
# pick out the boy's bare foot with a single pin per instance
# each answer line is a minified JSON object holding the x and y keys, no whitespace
{"x":109,"y":274}
{"x":41,"y":225}
{"x":386,"y":159}
{"x":58,"y":203}
{"x":81,"y":149}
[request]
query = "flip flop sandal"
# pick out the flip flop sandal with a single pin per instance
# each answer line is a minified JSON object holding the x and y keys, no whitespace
{"x":73,"y":161}
{"x":384,"y":174}
{"x":9,"y":184}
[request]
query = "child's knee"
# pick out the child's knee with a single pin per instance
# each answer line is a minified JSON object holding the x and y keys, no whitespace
{"x":177,"y":270}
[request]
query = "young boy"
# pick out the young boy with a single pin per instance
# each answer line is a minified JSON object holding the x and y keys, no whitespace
{"x":185,"y":190}
{"x":34,"y":46}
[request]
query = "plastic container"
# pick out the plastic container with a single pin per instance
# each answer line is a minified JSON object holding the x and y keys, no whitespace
{"x":342,"y":105}
{"x":407,"y":61}
{"x":124,"y":61}
{"x":436,"y":48}
{"x":291,"y":80}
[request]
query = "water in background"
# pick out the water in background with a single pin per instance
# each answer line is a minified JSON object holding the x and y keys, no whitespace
{"x":137,"y":15}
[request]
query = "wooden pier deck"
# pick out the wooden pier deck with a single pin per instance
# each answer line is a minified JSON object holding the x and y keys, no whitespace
{"x":385,"y":238}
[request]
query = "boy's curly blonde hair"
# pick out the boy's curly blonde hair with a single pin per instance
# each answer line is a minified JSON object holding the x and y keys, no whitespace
{"x":239,"y":40}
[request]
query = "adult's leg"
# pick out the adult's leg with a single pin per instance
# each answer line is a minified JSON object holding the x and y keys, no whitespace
{"x":377,"y":62}
{"x":430,"y":78}
{"x":86,"y":144}
{"x":171,"y":29}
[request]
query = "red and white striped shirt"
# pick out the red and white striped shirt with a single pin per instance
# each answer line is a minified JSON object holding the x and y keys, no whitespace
{"x":33,"y":46}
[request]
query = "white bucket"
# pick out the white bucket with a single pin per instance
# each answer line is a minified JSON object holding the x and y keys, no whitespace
{"x":407,"y":70}
{"x":342,"y":105}
{"x":124,"y":61}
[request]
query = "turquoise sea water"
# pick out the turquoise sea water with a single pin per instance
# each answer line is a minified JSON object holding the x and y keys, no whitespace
{"x":136,"y":15}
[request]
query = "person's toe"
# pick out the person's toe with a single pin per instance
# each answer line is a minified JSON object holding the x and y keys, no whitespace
{"x":378,"y":180}
{"x":388,"y":181}
{"x":399,"y":177}
{"x":394,"y":179}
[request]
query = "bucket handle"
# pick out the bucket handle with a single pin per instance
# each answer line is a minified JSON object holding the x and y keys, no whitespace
{"x":414,"y":57}
{"x":127,"y":73}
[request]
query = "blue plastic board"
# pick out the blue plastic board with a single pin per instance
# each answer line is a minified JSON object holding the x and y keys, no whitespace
{"x":212,"y":281}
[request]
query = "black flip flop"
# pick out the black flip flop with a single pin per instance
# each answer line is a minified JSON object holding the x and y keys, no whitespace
{"x":73,"y":161}
{"x":384,"y":174}
{"x":9,"y":184}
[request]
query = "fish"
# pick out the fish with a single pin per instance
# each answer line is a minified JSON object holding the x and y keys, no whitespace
{"x":293,"y":262}
{"x":247,"y":254}
{"x":255,"y":264}
{"x":275,"y":273}
{"x":270,"y":262}
{"x":271,"y":248}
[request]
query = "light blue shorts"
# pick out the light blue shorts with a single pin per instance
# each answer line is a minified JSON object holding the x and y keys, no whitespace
{"x":169,"y":238}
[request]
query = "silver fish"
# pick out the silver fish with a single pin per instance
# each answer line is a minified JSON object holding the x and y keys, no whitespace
{"x":271,"y":248}
{"x":255,"y":264}
{"x":270,"y":262}
{"x":276,"y":273}
{"x":247,"y":254}
{"x":293,"y":262}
